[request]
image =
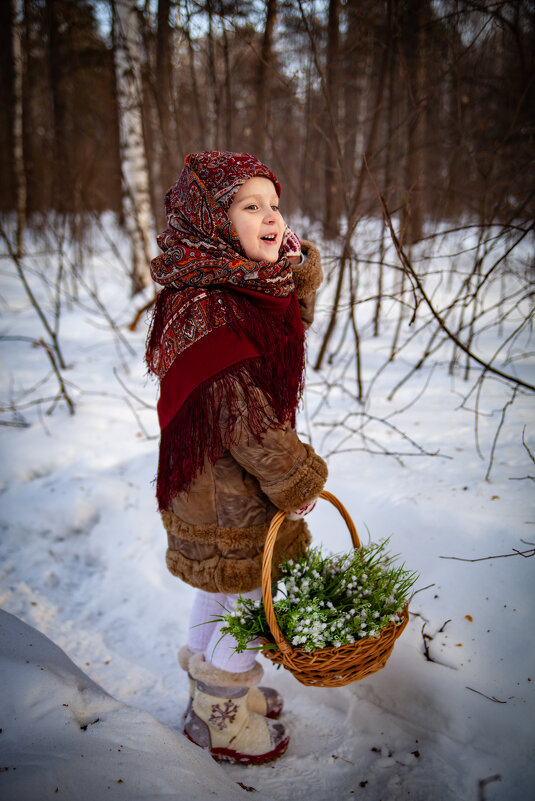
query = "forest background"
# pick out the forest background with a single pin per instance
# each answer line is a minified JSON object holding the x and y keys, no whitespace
{"x":403,"y":135}
{"x":418,"y":111}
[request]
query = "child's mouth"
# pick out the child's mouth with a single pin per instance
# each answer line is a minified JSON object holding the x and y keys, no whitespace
{"x":269,"y":238}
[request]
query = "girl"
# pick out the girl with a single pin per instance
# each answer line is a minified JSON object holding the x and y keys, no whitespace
{"x":227,"y":344}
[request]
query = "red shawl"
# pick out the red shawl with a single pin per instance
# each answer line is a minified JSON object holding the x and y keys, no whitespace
{"x":226,"y":334}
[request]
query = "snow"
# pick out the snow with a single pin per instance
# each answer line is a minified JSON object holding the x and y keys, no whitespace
{"x":64,"y":737}
{"x":82,"y":561}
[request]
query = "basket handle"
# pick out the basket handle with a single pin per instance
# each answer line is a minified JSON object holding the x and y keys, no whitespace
{"x":271,"y":536}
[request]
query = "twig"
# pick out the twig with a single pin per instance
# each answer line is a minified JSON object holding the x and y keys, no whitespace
{"x":140,"y":312}
{"x":138,"y":420}
{"x":129,"y":391}
{"x":102,"y":308}
{"x":33,"y":300}
{"x":490,"y":697}
{"x":526,"y":554}
{"x":413,"y":275}
{"x":427,"y":638}
{"x":483,"y":783}
{"x":421,"y":590}
{"x":524,"y":443}
{"x":498,"y":430}
{"x":531,"y":456}
{"x":62,"y":387}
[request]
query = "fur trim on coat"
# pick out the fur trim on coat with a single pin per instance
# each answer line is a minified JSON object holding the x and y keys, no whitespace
{"x":229,"y":560}
{"x":301,"y":487}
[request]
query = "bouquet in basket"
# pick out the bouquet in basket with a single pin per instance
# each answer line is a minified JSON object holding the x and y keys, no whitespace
{"x":328,"y":601}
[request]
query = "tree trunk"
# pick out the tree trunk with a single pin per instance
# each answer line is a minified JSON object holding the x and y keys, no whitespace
{"x":263,"y":81}
{"x":388,"y":150}
{"x":18,"y":124}
{"x":168,"y":162}
{"x":213,"y":84}
{"x":61,"y":181}
{"x":306,"y":180}
{"x":331,"y":173}
{"x":227,"y":137}
{"x":136,"y":196}
{"x":414,"y":58}
{"x":197,"y":99}
{"x":7,"y":79}
{"x":352,"y":214}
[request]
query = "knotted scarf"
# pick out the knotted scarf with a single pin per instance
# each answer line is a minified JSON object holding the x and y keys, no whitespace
{"x":226,"y":338}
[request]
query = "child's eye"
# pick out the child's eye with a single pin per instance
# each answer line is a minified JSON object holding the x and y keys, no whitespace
{"x":275,"y":208}
{"x":252,"y":206}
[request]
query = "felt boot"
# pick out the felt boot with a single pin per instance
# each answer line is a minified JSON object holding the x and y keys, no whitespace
{"x":264,"y":701}
{"x":220,"y":720}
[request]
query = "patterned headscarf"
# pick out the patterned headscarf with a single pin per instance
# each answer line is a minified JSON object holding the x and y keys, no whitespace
{"x":200,"y":247}
{"x":219,"y":312}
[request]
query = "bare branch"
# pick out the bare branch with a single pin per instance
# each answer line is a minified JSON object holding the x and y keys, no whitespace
{"x":63,"y":388}
{"x":33,"y":300}
{"x":488,"y":367}
{"x":526,"y":554}
{"x":498,"y":430}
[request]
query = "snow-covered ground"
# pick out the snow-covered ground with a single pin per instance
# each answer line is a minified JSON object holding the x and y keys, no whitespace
{"x":450,"y":718}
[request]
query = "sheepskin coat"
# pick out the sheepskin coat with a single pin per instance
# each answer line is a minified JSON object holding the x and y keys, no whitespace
{"x":216,"y":530}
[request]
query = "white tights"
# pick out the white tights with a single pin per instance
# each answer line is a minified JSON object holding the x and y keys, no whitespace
{"x":205,"y":633}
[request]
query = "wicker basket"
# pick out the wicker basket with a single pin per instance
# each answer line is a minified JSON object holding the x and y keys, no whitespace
{"x":326,"y":667}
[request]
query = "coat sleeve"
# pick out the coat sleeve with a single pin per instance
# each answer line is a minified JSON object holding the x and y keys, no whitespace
{"x":289,"y":471}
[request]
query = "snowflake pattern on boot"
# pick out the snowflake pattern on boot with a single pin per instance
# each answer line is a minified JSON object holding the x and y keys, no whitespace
{"x":220,"y":717}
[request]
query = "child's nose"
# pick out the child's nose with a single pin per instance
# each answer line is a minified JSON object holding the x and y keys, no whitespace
{"x":270,"y":215}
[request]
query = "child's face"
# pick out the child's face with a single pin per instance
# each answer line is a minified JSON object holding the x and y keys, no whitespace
{"x":255,"y":216}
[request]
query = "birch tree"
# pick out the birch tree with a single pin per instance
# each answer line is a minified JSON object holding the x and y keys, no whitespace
{"x":134,"y":168}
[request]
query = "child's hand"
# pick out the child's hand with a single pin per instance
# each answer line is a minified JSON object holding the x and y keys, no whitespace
{"x":298,"y":514}
{"x":291,"y":246}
